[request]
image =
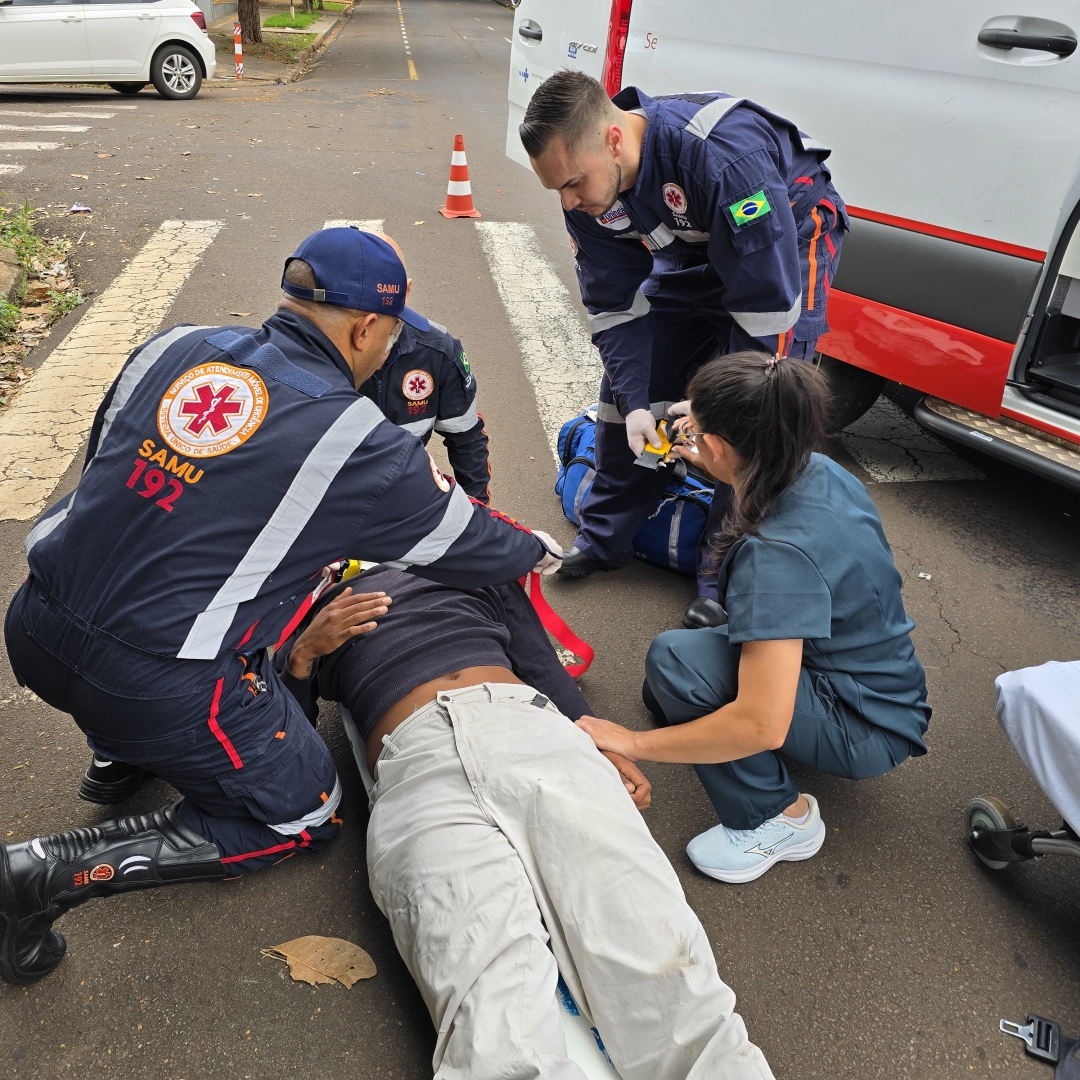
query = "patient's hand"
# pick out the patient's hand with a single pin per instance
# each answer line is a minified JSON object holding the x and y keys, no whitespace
{"x":634,"y":780}
{"x":345,"y":617}
{"x":609,"y":736}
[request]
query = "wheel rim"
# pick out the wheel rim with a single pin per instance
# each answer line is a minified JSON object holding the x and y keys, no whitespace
{"x":178,"y":72}
{"x":991,"y":814}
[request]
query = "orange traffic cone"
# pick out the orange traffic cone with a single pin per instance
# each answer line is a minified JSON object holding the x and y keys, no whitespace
{"x":459,"y":191}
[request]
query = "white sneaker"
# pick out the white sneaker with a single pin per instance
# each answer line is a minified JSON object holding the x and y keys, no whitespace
{"x":740,"y":855}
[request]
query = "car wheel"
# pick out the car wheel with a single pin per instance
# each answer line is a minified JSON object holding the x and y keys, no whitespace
{"x":176,"y":73}
{"x":127,"y":87}
{"x":853,"y":391}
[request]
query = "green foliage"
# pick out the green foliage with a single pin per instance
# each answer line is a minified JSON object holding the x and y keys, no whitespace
{"x":9,"y":319}
{"x":301,"y":22}
{"x":17,"y":232}
{"x":63,"y":302}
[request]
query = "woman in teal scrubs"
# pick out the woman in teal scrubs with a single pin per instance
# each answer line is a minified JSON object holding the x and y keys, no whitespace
{"x":815,"y":662}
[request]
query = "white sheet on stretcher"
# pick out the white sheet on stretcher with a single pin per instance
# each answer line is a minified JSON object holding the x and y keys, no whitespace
{"x":1039,"y":709}
{"x":583,"y":1043}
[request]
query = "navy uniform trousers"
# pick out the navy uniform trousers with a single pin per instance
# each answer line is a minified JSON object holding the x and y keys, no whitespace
{"x":256,"y":778}
{"x":690,"y":328}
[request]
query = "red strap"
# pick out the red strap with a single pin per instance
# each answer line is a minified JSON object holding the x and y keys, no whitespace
{"x":215,"y":727}
{"x":554,"y":625}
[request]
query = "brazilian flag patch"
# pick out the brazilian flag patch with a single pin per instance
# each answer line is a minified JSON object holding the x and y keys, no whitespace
{"x":463,"y":360}
{"x":747,"y":211}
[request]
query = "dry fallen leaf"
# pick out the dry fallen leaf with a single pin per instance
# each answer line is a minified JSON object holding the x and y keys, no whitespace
{"x":242,"y":314}
{"x":104,"y":155}
{"x":418,"y":223}
{"x":255,"y":194}
{"x":315,"y":959}
{"x":80,"y":176}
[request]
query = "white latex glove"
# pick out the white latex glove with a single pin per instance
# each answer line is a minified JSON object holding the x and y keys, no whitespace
{"x":640,"y":426}
{"x":552,"y":559}
{"x":680,"y":408}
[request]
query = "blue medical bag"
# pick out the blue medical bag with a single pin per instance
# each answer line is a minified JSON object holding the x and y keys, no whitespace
{"x":672,"y":533}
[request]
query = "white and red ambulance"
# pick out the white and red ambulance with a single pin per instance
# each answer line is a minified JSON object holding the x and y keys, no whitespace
{"x":955,"y":130}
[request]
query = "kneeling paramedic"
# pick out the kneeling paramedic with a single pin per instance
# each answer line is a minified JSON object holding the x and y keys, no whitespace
{"x":224,"y":470}
{"x":425,"y":386}
{"x":701,"y":224}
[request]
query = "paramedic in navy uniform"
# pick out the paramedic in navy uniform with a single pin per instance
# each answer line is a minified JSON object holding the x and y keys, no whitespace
{"x":700,"y":224}
{"x":224,"y":471}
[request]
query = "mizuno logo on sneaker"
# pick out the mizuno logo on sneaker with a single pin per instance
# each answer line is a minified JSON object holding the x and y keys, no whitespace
{"x":757,"y":849}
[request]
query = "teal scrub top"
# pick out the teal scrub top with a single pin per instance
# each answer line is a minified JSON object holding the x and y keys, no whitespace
{"x":821,"y":570}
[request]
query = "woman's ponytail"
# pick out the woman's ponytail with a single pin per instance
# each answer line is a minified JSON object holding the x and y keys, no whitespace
{"x":772,"y":412}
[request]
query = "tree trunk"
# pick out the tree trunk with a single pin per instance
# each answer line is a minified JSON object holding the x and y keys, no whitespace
{"x":307,"y":7}
{"x":321,"y":6}
{"x":247,"y":11}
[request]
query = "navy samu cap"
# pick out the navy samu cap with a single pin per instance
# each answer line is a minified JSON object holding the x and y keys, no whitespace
{"x":355,"y":269}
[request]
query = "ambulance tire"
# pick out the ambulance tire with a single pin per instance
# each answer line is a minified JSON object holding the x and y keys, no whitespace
{"x":853,"y":391}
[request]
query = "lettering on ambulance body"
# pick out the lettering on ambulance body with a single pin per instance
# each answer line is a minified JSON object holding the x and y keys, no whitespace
{"x":651,"y":41}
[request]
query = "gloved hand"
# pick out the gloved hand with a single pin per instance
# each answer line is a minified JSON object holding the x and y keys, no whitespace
{"x":640,"y":426}
{"x":680,"y":408}
{"x":552,"y":559}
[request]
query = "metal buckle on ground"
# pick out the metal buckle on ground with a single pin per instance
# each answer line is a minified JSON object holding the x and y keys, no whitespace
{"x":1042,"y":1037}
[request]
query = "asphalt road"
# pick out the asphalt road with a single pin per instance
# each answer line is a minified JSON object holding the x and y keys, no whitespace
{"x":892,"y":953}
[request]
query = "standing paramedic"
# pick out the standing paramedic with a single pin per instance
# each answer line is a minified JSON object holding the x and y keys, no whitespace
{"x":700,"y":224}
{"x":224,"y":471}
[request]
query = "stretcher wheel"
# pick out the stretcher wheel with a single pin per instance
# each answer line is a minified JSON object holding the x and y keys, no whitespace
{"x":986,"y":812}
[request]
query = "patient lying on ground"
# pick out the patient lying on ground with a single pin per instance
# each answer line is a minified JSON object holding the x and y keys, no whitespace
{"x":503,"y":848}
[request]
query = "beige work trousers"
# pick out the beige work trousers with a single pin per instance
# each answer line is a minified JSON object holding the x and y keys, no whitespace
{"x":503,"y":849}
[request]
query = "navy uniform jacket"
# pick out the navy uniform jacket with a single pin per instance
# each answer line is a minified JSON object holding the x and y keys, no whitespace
{"x":425,"y":386}
{"x":224,"y":471}
{"x":727,"y":183}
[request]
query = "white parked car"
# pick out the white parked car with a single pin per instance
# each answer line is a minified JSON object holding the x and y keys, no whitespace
{"x":125,"y":43}
{"x":955,"y":132}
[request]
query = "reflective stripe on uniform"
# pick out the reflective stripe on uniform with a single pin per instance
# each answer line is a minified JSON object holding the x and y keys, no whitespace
{"x":278,"y":535}
{"x":691,"y":236}
{"x":317,"y":817}
{"x":605,"y":320}
{"x":661,"y":236}
{"x":419,"y":428}
{"x":458,"y":514}
{"x":812,"y":144}
{"x":46,"y":525}
{"x":134,"y":372}
{"x":761,"y":324}
{"x":454,"y":424}
{"x":607,"y":412}
{"x":708,"y":116}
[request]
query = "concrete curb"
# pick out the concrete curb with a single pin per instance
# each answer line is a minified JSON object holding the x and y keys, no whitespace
{"x":12,"y":275}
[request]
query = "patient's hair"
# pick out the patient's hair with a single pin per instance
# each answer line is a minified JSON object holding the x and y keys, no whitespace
{"x":772,"y":412}
{"x":300,"y":274}
{"x":570,"y":105}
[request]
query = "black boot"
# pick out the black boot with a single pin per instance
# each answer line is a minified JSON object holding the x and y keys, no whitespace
{"x":107,"y":782}
{"x":43,"y":878}
{"x":577,"y":564}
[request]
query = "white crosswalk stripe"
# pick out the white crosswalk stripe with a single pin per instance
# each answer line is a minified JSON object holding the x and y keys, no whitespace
{"x":47,"y":424}
{"x":57,"y":115}
{"x":371,"y":225}
{"x":44,"y":127}
{"x":29,"y":145}
{"x":558,"y":353}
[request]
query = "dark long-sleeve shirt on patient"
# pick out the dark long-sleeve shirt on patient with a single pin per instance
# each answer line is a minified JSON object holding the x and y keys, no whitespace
{"x":429,"y":631}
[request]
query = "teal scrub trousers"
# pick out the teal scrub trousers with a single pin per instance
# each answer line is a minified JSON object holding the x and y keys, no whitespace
{"x":695,"y":672}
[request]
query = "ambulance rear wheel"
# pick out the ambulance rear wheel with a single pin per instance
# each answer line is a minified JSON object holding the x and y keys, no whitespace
{"x":992,"y":814}
{"x":853,"y":391}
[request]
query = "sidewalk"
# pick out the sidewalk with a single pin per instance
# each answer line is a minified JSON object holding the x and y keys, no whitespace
{"x":261,"y":69}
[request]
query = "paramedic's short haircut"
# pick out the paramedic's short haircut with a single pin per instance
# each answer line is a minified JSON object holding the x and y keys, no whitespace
{"x":300,"y":274}
{"x":570,"y":105}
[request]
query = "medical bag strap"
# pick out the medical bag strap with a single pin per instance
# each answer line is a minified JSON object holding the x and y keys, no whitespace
{"x":270,"y":361}
{"x":553,"y":623}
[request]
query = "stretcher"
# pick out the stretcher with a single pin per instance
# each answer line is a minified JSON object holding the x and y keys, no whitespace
{"x":1039,"y":709}
{"x":583,"y":1043}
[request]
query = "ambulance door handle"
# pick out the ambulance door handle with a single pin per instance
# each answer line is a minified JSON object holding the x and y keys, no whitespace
{"x":536,"y":34}
{"x":1015,"y":39}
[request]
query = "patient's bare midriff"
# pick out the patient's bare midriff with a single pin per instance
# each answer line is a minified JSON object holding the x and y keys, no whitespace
{"x":425,"y":693}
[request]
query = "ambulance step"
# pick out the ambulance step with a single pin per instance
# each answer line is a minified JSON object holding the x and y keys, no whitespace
{"x":1016,"y":443}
